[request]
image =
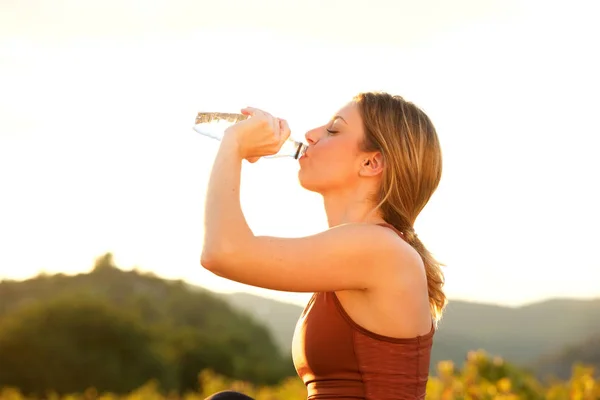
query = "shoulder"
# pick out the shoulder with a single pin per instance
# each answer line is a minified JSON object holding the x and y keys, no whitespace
{"x":400,"y":264}
{"x":384,"y":245}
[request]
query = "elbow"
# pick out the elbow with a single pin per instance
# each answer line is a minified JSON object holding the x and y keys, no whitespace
{"x":222,"y":256}
{"x":211,"y":261}
{"x":216,"y":260}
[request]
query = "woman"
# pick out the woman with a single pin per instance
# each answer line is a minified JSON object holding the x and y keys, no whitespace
{"x":367,"y":331}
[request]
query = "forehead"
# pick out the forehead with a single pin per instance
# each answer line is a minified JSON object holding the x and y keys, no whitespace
{"x":349,"y":116}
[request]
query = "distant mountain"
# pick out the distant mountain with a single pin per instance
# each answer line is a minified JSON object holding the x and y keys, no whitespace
{"x":522,"y":335}
{"x":559,"y":364}
{"x":279,"y":317}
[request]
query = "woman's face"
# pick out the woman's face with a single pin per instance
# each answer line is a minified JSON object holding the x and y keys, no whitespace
{"x":333,"y":159}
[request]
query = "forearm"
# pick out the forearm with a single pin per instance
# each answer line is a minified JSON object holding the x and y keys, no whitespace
{"x":225,"y":227}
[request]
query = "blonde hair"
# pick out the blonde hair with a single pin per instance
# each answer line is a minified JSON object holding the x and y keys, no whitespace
{"x":408,"y":142}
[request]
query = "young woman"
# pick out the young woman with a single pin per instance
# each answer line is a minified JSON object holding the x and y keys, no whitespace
{"x":368,"y":329}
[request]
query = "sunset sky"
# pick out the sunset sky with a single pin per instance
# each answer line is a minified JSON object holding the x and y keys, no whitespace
{"x":97,"y":151}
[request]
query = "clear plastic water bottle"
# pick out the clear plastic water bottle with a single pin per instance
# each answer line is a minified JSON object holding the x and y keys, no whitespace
{"x":214,"y":124}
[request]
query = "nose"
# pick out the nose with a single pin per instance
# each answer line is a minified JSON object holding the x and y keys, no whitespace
{"x":312,"y":136}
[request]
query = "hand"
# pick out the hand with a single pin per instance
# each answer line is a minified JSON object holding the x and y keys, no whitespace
{"x":258,"y":136}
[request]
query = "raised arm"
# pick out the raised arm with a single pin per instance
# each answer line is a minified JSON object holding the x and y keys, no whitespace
{"x":353,"y":256}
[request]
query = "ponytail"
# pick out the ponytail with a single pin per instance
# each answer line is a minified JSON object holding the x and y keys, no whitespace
{"x":434,"y":273}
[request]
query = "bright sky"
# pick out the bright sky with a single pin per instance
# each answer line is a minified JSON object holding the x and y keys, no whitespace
{"x":97,"y":151}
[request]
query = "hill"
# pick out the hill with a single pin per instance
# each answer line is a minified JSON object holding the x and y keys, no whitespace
{"x":189,"y":330}
{"x":279,"y":317}
{"x":521,"y":335}
{"x":558,"y":364}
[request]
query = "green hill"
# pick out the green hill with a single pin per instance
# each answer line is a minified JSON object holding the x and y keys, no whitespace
{"x":184,"y":330}
{"x":558,"y":363}
{"x":521,"y":335}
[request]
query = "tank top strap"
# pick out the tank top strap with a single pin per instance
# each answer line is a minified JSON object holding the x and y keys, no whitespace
{"x":392,"y":227}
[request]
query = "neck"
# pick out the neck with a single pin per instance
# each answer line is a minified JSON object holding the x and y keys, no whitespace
{"x":344,"y":208}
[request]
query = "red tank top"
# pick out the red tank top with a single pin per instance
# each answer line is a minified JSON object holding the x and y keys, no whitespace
{"x":338,"y":359}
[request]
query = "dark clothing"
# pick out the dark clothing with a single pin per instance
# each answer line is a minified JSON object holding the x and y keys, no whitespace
{"x":229,"y":395}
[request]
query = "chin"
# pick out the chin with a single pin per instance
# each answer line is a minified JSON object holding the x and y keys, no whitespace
{"x":306,"y":182}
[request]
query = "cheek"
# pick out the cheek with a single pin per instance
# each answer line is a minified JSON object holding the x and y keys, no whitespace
{"x":330,"y":164}
{"x":333,"y":147}
{"x":339,"y":153}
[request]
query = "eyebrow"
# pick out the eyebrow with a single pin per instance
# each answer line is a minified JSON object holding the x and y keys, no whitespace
{"x":339,"y":117}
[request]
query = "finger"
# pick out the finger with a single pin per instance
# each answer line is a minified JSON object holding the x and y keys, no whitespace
{"x":254,"y":111}
{"x":284,"y":130}
{"x":251,"y":111}
{"x":248,"y":111}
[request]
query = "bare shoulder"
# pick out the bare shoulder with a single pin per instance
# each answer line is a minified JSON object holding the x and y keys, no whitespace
{"x":405,"y":263}
{"x":380,"y":246}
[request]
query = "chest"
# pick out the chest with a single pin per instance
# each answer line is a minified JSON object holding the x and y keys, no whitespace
{"x":323,"y":343}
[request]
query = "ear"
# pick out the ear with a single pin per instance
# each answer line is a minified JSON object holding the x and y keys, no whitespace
{"x":372,"y":165}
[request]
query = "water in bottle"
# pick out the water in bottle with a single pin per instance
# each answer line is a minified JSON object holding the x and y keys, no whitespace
{"x":214,"y":124}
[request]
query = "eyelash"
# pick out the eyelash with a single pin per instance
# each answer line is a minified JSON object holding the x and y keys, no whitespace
{"x":330,"y":131}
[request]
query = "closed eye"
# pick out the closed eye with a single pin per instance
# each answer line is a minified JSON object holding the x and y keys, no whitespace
{"x":332,"y":132}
